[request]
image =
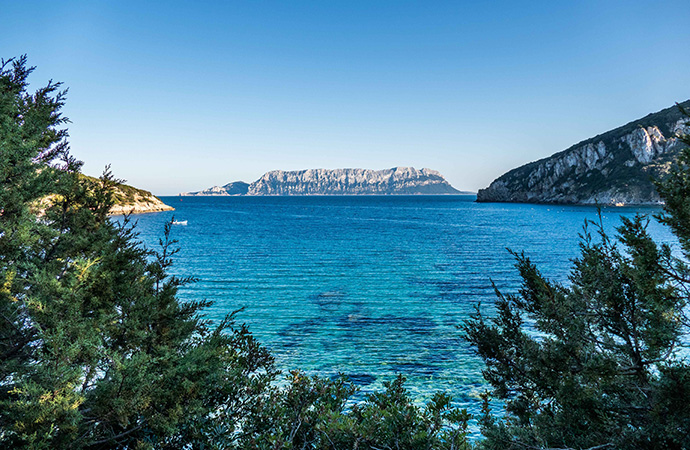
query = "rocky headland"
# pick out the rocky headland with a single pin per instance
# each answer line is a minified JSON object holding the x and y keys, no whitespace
{"x":129,"y":199}
{"x":615,"y":168}
{"x":138,"y":203}
{"x":395,"y":181}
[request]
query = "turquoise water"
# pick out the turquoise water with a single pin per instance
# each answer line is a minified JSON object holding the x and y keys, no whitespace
{"x":368,"y":286}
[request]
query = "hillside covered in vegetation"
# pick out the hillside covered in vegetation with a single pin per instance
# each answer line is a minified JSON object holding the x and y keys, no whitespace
{"x":616,"y":167}
{"x":128,"y":199}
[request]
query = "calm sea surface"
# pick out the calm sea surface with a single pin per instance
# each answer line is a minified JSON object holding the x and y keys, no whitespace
{"x":368,"y":286}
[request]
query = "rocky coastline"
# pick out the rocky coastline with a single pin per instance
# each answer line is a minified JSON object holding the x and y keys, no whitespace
{"x":140,"y":205}
{"x":614,"y":168}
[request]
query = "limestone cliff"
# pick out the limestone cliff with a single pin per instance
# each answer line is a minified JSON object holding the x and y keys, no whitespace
{"x":234,"y":188}
{"x":395,"y":181}
{"x":616,"y":167}
{"x":398,"y":180}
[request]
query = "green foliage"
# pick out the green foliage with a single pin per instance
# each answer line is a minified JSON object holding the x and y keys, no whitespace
{"x":97,"y":352}
{"x":596,"y":363}
{"x":312,"y":413}
{"x":124,"y":194}
{"x":95,"y":349}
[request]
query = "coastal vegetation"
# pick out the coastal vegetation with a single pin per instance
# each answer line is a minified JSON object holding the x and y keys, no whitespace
{"x":129,"y":199}
{"x":97,"y":351}
{"x":125,"y":199}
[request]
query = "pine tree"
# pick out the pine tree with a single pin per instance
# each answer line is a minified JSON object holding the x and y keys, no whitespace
{"x":596,"y":363}
{"x":318,"y":413}
{"x":96,"y":351}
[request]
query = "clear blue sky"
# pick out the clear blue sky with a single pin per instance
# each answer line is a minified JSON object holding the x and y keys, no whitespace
{"x":182,"y":95}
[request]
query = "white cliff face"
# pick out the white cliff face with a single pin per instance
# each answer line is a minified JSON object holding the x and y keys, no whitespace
{"x":647,"y":143}
{"x":614,"y":168}
{"x":214,"y":190}
{"x":580,"y":160}
{"x":235,"y":188}
{"x":399,"y":180}
{"x":395,"y":181}
{"x":681,"y":126}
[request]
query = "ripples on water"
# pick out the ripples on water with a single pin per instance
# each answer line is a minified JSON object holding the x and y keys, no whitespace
{"x":368,"y":286}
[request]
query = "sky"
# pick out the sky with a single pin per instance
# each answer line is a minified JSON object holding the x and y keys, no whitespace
{"x":183,"y":95}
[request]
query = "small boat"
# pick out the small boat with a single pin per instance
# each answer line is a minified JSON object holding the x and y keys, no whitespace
{"x":179,"y":222}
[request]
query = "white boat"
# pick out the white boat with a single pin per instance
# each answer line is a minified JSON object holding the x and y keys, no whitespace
{"x":179,"y":222}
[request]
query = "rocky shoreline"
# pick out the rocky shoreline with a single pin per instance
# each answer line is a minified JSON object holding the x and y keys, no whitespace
{"x":131,"y":200}
{"x":140,"y":206}
{"x":614,"y":168}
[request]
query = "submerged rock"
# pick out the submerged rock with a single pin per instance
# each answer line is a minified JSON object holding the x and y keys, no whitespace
{"x":358,"y":379}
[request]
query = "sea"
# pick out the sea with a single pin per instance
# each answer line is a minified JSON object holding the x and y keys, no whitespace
{"x":370,"y":286}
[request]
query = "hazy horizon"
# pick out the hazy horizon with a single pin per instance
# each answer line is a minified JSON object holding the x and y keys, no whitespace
{"x":186,"y":96}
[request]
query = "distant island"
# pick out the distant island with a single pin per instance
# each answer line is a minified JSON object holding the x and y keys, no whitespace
{"x":615,"y":168}
{"x":395,"y":181}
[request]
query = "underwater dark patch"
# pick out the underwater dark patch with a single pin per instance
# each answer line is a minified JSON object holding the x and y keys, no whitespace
{"x":414,"y":368}
{"x":358,"y":379}
{"x":416,"y":325}
{"x":328,"y":299}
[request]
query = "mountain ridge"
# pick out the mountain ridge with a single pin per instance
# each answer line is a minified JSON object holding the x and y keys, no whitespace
{"x":348,"y":181}
{"x":614,"y":167}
